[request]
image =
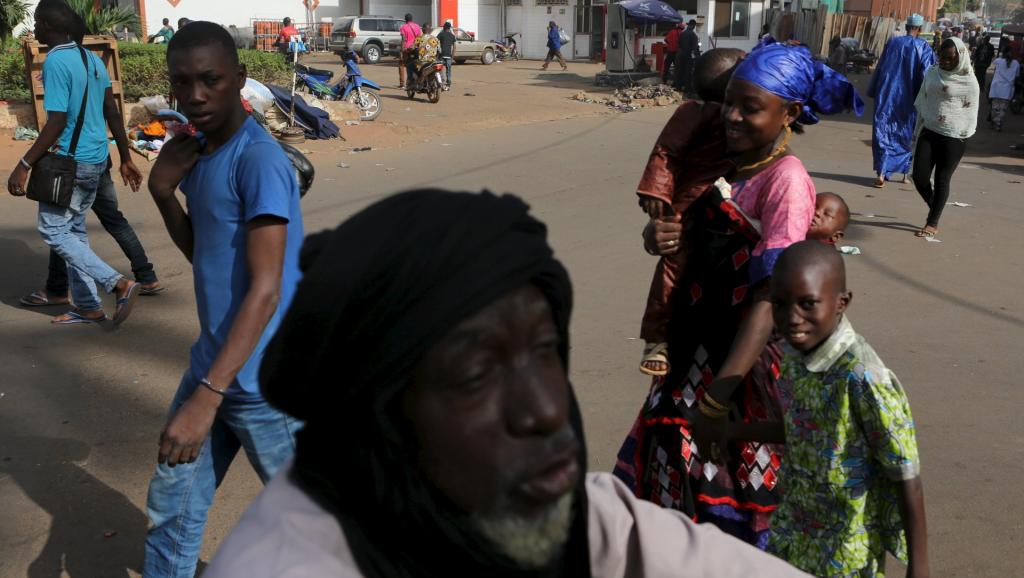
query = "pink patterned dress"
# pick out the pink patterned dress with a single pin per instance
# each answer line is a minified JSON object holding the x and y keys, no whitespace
{"x":733,"y":246}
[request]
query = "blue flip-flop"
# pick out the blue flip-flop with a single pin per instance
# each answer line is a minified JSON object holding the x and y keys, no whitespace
{"x":76,"y":318}
{"x":124,"y":304}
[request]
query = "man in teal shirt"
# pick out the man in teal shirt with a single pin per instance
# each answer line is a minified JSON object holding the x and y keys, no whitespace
{"x":69,"y":73}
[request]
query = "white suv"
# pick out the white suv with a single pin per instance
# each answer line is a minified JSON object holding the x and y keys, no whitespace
{"x":367,"y":35}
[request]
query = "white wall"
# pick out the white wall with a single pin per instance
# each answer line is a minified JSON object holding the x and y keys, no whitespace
{"x":531,"y":22}
{"x":480,"y":16}
{"x":225,"y":12}
{"x":707,"y":8}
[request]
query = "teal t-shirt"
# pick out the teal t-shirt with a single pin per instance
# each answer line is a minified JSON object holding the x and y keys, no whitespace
{"x":64,"y":82}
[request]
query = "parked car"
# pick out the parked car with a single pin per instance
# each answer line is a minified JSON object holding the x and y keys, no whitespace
{"x":370,"y":36}
{"x":467,"y":47}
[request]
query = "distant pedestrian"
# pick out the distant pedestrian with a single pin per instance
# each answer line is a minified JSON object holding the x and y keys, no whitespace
{"x":689,"y":50}
{"x":554,"y":46}
{"x":983,"y":56}
{"x":671,"y":48}
{"x":948,"y":105}
{"x":77,"y":100}
{"x":447,"y":40}
{"x":410,"y":31}
{"x":894,"y":87}
{"x":1001,"y":91}
{"x":164,"y":35}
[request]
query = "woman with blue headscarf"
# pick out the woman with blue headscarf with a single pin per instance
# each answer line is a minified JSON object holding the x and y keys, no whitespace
{"x":721,"y":359}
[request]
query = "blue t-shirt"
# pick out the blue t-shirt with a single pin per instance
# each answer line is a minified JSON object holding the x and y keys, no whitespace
{"x":247,"y":177}
{"x":64,"y":82}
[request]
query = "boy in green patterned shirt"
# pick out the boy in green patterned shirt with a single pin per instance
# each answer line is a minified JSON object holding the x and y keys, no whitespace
{"x":851,"y":481}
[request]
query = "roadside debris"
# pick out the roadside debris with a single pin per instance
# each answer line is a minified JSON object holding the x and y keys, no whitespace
{"x":634,"y":98}
{"x":25,"y":133}
{"x":849,"y":250}
{"x":959,"y":204}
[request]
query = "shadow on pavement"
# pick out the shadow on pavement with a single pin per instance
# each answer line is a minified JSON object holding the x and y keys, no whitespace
{"x":24,"y":271}
{"x":94,"y":530}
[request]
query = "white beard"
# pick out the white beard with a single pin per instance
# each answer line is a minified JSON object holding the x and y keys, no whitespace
{"x":533,"y":543}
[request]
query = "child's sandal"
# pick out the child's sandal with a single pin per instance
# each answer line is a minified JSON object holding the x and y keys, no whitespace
{"x":655,"y":353}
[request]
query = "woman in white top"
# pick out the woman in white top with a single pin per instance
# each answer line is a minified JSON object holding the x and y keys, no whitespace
{"x":947,"y":106}
{"x":1001,"y":90}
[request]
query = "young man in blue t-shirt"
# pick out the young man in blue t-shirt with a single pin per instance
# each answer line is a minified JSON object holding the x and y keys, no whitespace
{"x":241,"y":229}
{"x":66,"y":78}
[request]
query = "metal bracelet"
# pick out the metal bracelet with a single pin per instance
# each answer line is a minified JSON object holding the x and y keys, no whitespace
{"x":206,"y":383}
{"x":24,"y":163}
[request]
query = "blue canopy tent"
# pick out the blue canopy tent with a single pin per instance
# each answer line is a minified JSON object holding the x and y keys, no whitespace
{"x":650,"y":11}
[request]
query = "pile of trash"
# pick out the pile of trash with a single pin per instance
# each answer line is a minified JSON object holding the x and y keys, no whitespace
{"x":634,"y":98}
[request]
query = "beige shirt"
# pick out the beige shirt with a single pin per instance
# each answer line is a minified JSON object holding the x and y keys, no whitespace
{"x":284,"y":534}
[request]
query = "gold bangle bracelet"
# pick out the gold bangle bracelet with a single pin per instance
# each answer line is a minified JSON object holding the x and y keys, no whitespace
{"x":713,"y":402}
{"x":711,"y":412}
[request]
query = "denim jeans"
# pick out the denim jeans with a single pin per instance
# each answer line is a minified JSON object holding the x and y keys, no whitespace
{"x":180,"y":497}
{"x":448,"y":68}
{"x":63,"y":229}
{"x":105,"y":208}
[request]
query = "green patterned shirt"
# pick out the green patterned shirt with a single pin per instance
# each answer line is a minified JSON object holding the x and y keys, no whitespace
{"x":849,"y":446}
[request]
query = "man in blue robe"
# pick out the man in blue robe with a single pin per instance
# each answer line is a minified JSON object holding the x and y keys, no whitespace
{"x":894,"y":87}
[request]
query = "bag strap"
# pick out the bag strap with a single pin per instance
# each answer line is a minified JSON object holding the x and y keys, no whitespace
{"x":81,"y":111}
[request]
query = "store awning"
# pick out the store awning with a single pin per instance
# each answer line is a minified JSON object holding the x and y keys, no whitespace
{"x":650,"y":11}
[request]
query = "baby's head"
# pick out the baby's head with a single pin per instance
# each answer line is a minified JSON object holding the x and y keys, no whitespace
{"x":831,"y":216}
{"x":712,"y":71}
{"x":808,"y":293}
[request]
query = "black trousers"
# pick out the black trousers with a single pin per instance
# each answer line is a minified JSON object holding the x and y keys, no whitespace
{"x":112,"y":219}
{"x":667,"y":65}
{"x":684,"y":72}
{"x":941,"y":155}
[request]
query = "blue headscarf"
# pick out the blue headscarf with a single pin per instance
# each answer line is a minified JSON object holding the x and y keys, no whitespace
{"x":790,"y":73}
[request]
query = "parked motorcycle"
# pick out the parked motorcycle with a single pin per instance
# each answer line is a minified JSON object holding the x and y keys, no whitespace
{"x":428,"y":81}
{"x":355,"y":89}
{"x":507,"y":49}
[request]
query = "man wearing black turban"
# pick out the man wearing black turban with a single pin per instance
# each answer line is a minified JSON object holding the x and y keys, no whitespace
{"x":427,"y":352}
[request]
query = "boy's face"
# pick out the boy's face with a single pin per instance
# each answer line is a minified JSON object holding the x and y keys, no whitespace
{"x":807,"y":303}
{"x":829,"y":220}
{"x":206,"y":82}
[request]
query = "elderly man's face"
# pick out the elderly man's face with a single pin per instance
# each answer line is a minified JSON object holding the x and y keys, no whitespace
{"x":489,"y":407}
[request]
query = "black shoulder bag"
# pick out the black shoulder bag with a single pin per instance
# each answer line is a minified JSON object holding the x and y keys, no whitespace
{"x":53,"y":176}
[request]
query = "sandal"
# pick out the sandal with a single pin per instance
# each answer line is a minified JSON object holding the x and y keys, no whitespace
{"x":655,"y":353}
{"x":125,"y":303}
{"x":41,"y":299}
{"x":927,"y":231}
{"x":153,"y":288}
{"x":73,"y":317}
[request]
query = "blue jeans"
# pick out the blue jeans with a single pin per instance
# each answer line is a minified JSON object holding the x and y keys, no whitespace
{"x":105,"y":209}
{"x":180,"y":497}
{"x":448,"y":69}
{"x":63,"y":229}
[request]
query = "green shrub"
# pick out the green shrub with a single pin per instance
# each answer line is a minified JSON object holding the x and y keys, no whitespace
{"x":144,"y":68}
{"x":13,"y":83}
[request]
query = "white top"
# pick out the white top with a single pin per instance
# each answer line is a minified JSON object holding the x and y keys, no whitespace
{"x":1002,"y":80}
{"x":284,"y":534}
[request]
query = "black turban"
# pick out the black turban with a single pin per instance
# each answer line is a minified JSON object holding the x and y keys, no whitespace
{"x":376,"y":294}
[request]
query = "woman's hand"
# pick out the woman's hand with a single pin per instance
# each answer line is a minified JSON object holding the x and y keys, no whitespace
{"x":711,"y":437}
{"x":662,"y":236}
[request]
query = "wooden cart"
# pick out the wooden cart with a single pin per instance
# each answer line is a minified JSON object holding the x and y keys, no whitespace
{"x":103,"y":46}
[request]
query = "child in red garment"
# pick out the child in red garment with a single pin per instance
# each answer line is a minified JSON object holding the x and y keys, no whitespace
{"x":688,"y":157}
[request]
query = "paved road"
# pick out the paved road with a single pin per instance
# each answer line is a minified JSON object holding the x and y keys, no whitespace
{"x":81,"y":409}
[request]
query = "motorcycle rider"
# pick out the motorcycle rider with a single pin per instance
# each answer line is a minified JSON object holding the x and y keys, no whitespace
{"x":423,"y":51}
